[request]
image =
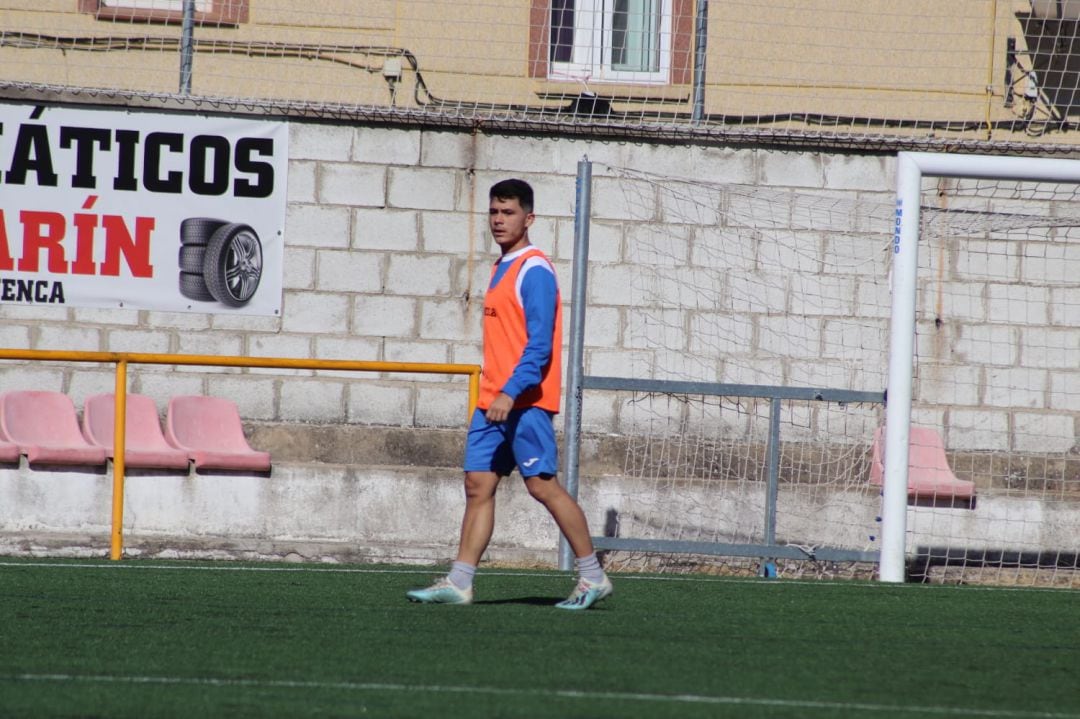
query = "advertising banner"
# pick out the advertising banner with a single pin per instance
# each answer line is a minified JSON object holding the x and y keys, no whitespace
{"x":141,"y":210}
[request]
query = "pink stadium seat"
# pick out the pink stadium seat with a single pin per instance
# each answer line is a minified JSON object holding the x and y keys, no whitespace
{"x":144,"y":444}
{"x":45,"y":427}
{"x":9,"y":452}
{"x":929,"y":475}
{"x":209,"y":430}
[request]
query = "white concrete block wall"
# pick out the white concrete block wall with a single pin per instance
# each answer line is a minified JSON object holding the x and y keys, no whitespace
{"x":387,"y":257}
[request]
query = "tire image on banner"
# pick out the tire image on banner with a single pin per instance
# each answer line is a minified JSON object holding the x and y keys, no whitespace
{"x":219,"y":261}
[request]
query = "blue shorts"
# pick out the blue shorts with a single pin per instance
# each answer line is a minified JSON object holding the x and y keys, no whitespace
{"x":526,"y":440}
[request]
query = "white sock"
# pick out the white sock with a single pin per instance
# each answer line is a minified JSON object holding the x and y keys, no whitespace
{"x":461,"y":575}
{"x":589,"y":568}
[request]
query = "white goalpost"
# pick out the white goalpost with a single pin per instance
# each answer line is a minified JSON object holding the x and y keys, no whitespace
{"x":912,"y":170}
{"x":836,"y":382}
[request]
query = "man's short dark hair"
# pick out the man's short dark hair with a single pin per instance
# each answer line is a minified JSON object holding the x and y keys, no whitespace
{"x":513,"y":189}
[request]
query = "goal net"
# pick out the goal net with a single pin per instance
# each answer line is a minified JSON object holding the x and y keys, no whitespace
{"x":758,"y":323}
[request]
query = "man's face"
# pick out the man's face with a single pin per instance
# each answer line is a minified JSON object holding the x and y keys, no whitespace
{"x":508,"y":223}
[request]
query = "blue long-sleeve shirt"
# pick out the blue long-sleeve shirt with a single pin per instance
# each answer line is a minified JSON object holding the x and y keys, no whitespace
{"x":538,"y":293}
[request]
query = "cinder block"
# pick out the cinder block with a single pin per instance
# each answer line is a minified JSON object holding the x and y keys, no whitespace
{"x":609,"y":284}
{"x":449,"y":232}
{"x":1018,"y":304}
{"x":299,"y":270}
{"x":315,"y":312}
{"x":605,"y":241}
{"x":422,"y":189}
{"x":506,"y":156}
{"x":790,"y":336}
{"x":309,"y":141}
{"x":1016,"y":387}
{"x":353,"y":185}
{"x":207,"y":343}
{"x":33,"y":378}
{"x":161,"y":384}
{"x":384,"y":316}
{"x":396,"y":230}
{"x":57,"y":337}
{"x":14,"y":335}
{"x":955,"y":386}
{"x":1064,"y":304}
{"x":86,"y":382}
{"x":418,"y":276}
{"x":1043,"y":432}
{"x":985,"y":344}
{"x":1065,"y":391}
{"x":857,"y":339}
{"x":617,"y":199}
{"x":443,"y":406}
{"x":126,"y":340}
{"x":316,"y":226}
{"x":255,"y":398}
{"x":386,"y":146}
{"x":859,"y":172}
{"x":340,"y":271}
{"x":448,"y":149}
{"x":824,"y":295}
{"x":360,"y":349}
{"x":417,"y":351}
{"x":312,"y":400}
{"x":792,"y":169}
{"x":371,"y":402}
{"x":278,"y":345}
{"x":1047,"y":347}
{"x":980,"y":260}
{"x":303,"y":183}
{"x":103,"y":316}
{"x":450,"y":319}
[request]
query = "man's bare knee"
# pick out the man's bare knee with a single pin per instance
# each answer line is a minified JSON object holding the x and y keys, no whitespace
{"x":544,"y":488}
{"x":480,"y":485}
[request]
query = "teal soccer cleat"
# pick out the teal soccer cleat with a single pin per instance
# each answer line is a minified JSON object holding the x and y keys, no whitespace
{"x":441,"y":592}
{"x":586,"y":594}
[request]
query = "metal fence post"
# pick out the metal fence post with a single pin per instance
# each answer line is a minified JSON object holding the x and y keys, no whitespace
{"x":575,"y":363}
{"x":187,"y":46}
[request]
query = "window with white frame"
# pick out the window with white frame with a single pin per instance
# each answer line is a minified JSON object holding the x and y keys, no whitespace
{"x":611,"y":40}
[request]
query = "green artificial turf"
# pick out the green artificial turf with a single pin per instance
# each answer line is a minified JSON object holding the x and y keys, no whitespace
{"x":186,"y":639}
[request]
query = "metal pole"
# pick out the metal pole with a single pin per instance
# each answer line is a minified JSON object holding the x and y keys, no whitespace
{"x":575,"y":362}
{"x":773,"y":471}
{"x":905,"y":266}
{"x":116,"y":541}
{"x":187,"y":46}
{"x":701,"y":31}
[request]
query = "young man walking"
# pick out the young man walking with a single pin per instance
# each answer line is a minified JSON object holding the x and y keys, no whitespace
{"x":519,"y":396}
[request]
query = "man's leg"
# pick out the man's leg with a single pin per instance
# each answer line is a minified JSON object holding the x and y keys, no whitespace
{"x":479,"y":520}
{"x":566,"y":512}
{"x":476,"y":527}
{"x":593,"y":585}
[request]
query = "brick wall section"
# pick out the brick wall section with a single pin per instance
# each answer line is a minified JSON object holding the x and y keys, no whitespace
{"x":387,"y":256}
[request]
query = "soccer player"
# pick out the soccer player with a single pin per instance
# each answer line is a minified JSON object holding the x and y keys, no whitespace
{"x":519,"y":396}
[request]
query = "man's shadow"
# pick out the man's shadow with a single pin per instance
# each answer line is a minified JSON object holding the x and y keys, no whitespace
{"x":534,"y":601}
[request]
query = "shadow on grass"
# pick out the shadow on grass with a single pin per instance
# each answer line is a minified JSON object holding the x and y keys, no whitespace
{"x":534,"y":601}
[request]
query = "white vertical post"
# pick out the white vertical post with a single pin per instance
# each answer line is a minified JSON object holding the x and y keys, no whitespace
{"x":905,"y":265}
{"x":911,"y":168}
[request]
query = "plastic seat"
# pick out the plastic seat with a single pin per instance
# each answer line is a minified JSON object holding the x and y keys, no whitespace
{"x":144,"y":444}
{"x":45,"y":427}
{"x":209,"y":430}
{"x":9,"y":452}
{"x":929,"y":474}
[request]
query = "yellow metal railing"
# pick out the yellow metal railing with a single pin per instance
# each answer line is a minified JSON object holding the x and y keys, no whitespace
{"x":123,"y":359}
